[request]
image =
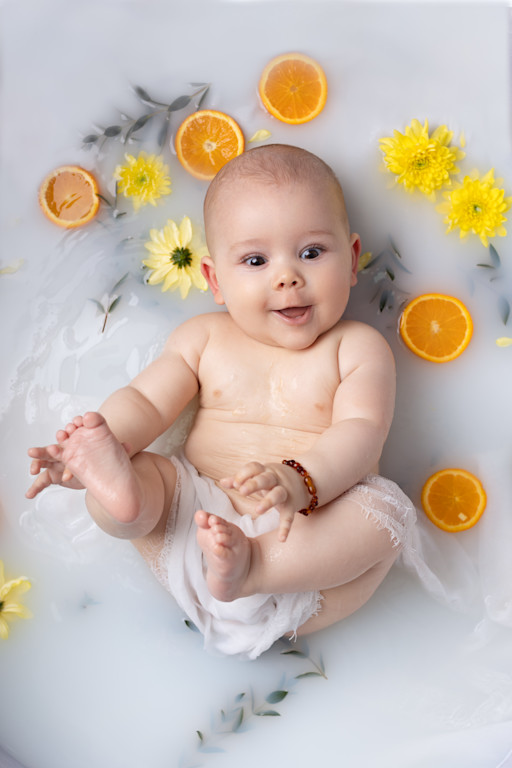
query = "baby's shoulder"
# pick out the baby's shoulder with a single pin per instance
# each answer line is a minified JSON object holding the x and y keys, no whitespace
{"x":360,"y":340}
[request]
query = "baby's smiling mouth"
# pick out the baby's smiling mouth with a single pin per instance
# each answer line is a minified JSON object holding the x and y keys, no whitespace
{"x":294,"y":313}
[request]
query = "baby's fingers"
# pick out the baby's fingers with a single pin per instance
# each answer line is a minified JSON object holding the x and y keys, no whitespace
{"x":247,"y":472}
{"x":285,"y":524}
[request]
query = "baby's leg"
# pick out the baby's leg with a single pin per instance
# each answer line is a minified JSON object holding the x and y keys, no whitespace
{"x":127,"y":498}
{"x":336,"y":546}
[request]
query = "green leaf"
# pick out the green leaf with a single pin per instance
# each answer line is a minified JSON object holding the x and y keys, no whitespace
{"x":114,"y":304}
{"x":112,"y":130}
{"x":276,"y":696}
{"x":504,"y":308}
{"x":293,"y":652}
{"x":200,"y":736}
{"x":238,"y":722}
{"x":90,"y":139}
{"x":119,"y":282}
{"x":308,"y":674}
{"x":138,"y":124}
{"x":179,"y":103}
{"x":239,"y":697}
{"x":146,"y":98}
{"x":268,"y":713}
{"x":383,"y":300}
{"x":203,"y":96}
{"x":390,"y":273}
{"x":99,"y":306}
{"x":192,"y":627}
{"x":494,"y":256}
{"x":486,"y":266}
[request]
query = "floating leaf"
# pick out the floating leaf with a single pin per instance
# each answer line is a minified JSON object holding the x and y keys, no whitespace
{"x":383,"y":300}
{"x":395,"y":249}
{"x":200,"y":736}
{"x":99,"y":305}
{"x":146,"y":98}
{"x":192,"y":627}
{"x":309,"y":674}
{"x":90,"y":139}
{"x":504,"y":341}
{"x":239,"y":697}
{"x":268,"y":713}
{"x":261,"y":135}
{"x":179,"y":103}
{"x":494,"y":256}
{"x":276,"y":696}
{"x":138,"y":124}
{"x":390,"y":273}
{"x":121,"y":281}
{"x":114,"y":304}
{"x":504,"y":309}
{"x":112,"y":130}
{"x":238,"y":722}
{"x":486,"y":266}
{"x":203,"y":97}
{"x":294,"y":652}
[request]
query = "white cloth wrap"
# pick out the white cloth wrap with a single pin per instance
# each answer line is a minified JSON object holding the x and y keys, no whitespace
{"x":248,"y":626}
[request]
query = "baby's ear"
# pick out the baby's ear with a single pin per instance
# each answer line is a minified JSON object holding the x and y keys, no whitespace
{"x":355,"y":244}
{"x":210,"y":275}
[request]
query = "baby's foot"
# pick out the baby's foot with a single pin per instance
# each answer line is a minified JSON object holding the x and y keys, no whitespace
{"x":227,"y":552}
{"x":93,"y":454}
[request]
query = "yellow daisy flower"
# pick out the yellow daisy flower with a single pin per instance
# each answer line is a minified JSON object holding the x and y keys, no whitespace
{"x":174,"y":260}
{"x":143,"y":178}
{"x":9,"y":602}
{"x":477,"y":205}
{"x":420,"y":161}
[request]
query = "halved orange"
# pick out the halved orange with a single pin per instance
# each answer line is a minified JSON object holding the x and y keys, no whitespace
{"x":436,"y":327}
{"x":206,"y":140}
{"x":453,"y":499}
{"x":293,"y":88}
{"x":69,"y":196}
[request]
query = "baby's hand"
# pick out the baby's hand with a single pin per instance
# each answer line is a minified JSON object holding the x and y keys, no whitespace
{"x":277,"y":487}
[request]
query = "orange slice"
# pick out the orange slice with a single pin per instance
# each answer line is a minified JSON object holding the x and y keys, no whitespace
{"x":453,"y":499}
{"x":69,"y":196}
{"x":436,"y":327}
{"x":206,"y":140}
{"x":293,"y":88}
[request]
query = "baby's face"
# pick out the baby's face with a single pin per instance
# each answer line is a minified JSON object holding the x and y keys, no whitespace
{"x":282,"y":260}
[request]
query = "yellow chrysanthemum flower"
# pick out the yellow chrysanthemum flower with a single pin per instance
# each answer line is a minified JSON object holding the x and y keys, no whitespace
{"x":420,"y":161}
{"x":174,"y":260}
{"x":143,"y":178}
{"x":477,"y":206}
{"x":9,"y":602}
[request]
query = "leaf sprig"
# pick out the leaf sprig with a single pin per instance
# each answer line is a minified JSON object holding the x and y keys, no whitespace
{"x":385,"y":275}
{"x":126,"y":130}
{"x":112,"y":301}
{"x":495,"y":272}
{"x":244,"y":705}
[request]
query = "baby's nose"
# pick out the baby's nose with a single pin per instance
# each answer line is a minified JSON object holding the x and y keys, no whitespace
{"x":287,"y":278}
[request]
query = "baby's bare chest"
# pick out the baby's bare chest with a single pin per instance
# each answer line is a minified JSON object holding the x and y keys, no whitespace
{"x":280,"y":388}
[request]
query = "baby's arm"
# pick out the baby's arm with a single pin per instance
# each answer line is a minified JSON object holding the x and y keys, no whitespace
{"x":350,"y":448}
{"x":138,"y":413}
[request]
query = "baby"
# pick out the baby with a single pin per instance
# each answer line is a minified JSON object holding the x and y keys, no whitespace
{"x":295,"y":404}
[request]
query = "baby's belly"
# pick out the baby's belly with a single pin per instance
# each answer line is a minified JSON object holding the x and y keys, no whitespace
{"x":219,"y":448}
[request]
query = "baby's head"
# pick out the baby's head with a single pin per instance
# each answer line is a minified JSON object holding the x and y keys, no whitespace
{"x":282,"y":258}
{"x":279,"y":165}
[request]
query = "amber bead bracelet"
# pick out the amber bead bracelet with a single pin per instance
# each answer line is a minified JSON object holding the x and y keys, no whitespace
{"x":308,"y":481}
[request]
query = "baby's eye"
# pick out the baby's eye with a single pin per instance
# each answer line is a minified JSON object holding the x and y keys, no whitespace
{"x":255,"y":260}
{"x":311,"y":253}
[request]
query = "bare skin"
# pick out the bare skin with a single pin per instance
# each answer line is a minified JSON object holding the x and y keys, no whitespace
{"x":280,"y":375}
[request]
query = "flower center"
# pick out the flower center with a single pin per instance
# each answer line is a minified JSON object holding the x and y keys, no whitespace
{"x":142,"y":179}
{"x":420,"y":162}
{"x":181,"y":257}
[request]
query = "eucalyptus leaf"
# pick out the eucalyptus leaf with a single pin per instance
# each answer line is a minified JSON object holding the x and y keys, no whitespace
{"x":112,"y":130}
{"x":486,"y":266}
{"x":179,"y":103}
{"x":494,"y":256}
{"x":114,"y":304}
{"x":164,"y":130}
{"x":146,"y":98}
{"x":383,"y":300}
{"x":239,"y":697}
{"x":394,"y":249}
{"x":120,"y":282}
{"x":203,"y":97}
{"x":90,"y":139}
{"x":504,"y":308}
{"x":138,"y":124}
{"x":99,"y":306}
{"x":308,"y":674}
{"x":276,"y":696}
{"x":200,"y":736}
{"x":294,"y":652}
{"x":390,"y":273}
{"x":192,"y":627}
{"x":268,"y":713}
{"x":239,"y":720}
